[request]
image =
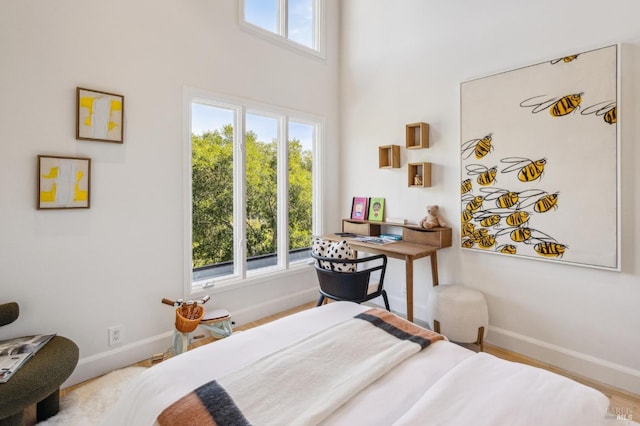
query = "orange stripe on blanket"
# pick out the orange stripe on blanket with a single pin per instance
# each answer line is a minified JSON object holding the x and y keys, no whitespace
{"x":187,"y":411}
{"x":399,"y":327}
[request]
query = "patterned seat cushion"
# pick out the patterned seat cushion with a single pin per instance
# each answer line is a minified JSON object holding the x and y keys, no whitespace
{"x":334,"y":250}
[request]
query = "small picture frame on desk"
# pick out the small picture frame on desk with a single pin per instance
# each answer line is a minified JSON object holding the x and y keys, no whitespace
{"x":376,"y":209}
{"x":359,"y":208}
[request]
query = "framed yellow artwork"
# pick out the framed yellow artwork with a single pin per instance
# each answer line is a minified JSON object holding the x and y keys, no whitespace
{"x":99,"y":116}
{"x":63,"y":182}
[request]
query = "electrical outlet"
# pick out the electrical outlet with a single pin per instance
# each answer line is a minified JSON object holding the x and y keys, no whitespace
{"x":115,"y":335}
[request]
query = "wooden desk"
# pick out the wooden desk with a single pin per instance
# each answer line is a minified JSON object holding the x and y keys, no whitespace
{"x":399,"y":250}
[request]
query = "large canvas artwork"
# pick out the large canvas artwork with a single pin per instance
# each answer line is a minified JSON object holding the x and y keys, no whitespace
{"x":539,"y":161}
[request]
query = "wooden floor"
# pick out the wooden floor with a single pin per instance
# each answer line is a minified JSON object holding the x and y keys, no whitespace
{"x":622,"y":402}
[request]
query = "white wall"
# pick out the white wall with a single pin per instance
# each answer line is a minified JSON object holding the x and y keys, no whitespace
{"x":78,"y":272}
{"x":402,"y":62}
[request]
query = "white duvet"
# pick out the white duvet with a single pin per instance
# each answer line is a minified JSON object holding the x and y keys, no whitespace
{"x":442,"y":385}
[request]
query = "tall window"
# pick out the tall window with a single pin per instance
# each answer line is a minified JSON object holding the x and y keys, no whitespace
{"x":252,"y":189}
{"x":298,"y":21}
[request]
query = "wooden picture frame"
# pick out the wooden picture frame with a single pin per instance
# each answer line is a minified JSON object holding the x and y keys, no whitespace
{"x":63,"y":182}
{"x":99,"y":116}
{"x":376,"y":209}
{"x":359,"y":208}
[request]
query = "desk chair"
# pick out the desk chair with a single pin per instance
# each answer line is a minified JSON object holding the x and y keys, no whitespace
{"x":354,"y":286}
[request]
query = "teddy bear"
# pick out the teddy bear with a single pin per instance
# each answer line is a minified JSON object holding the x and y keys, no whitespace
{"x":433,"y":218}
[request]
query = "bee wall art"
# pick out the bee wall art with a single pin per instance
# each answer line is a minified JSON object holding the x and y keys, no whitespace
{"x":539,"y":155}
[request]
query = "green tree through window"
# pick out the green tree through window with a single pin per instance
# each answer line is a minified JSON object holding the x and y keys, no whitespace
{"x":213,"y":196}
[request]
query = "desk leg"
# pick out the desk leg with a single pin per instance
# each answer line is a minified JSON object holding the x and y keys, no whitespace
{"x":409,"y":286}
{"x":434,"y":268}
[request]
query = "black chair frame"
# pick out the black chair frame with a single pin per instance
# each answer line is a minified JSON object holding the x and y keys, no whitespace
{"x":350,"y":286}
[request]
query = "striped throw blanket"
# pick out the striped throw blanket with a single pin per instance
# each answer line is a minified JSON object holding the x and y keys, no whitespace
{"x":304,"y":383}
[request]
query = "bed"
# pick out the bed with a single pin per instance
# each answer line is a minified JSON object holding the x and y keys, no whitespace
{"x":327,"y":366}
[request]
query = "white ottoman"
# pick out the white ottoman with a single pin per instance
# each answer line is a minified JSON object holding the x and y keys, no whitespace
{"x":458,"y":312}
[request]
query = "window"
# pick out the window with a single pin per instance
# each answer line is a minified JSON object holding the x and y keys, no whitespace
{"x":297,"y":23}
{"x":252,"y":175}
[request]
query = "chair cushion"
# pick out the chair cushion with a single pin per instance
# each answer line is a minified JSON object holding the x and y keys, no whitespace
{"x":334,"y":250}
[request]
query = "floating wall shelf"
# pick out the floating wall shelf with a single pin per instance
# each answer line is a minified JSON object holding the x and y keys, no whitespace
{"x":389,"y":157}
{"x":417,"y":136}
{"x":419,"y":175}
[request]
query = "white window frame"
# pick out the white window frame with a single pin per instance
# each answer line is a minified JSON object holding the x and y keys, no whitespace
{"x":241,"y":275}
{"x":281,"y":38}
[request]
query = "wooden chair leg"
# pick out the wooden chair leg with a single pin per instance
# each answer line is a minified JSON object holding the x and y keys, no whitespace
{"x":480,"y":340}
{"x":436,"y":326}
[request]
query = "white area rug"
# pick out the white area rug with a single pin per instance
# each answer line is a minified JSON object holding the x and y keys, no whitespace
{"x":87,"y":405}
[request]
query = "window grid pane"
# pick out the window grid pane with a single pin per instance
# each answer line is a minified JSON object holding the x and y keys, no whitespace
{"x":212,"y":189}
{"x":300,"y":160}
{"x":300,"y":22}
{"x":262,"y":190}
{"x":262,"y":13}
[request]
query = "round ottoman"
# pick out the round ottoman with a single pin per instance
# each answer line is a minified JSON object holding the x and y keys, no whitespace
{"x":458,"y":312}
{"x":38,"y":382}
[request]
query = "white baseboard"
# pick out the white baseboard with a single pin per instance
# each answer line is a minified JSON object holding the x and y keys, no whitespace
{"x":131,"y":353}
{"x":588,"y":366}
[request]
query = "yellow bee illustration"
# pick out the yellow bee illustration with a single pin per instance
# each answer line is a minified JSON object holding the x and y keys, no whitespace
{"x":611,"y":116}
{"x":517,"y":218}
{"x":565,"y":105}
{"x":485,"y":176}
{"x":487,"y":241}
{"x":474,"y":204}
{"x":478,"y":234}
{"x":479,"y":147}
{"x":528,"y":170}
{"x":466,"y":186}
{"x":466,"y":216}
{"x":490,"y":220}
{"x":550,"y":249}
{"x":468,"y":229}
{"x":520,"y":235}
{"x":507,"y":249}
{"x":558,"y":107}
{"x":467,"y":243}
{"x":506,"y":199}
{"x":565,"y":60}
{"x":607,"y":109}
{"x":546,"y":203}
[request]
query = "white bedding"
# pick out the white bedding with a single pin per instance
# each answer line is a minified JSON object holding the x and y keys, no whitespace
{"x":441,"y":385}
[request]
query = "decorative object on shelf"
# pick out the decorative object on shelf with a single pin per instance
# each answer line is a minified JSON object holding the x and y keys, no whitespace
{"x":419,"y":175}
{"x":63,"y":182}
{"x":433,"y":219}
{"x":99,"y":116}
{"x":359,"y":208}
{"x":539,"y":144}
{"x":417,"y":136}
{"x":389,"y":156}
{"x":376,"y":209}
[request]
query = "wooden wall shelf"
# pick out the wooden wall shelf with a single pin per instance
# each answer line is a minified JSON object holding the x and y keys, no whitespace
{"x":389,"y":157}
{"x":419,"y":175}
{"x":417,"y":136}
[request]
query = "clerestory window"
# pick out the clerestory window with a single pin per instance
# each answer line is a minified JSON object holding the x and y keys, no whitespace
{"x":297,"y":23}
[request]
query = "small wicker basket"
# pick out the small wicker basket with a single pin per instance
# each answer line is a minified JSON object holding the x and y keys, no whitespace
{"x":188,"y":317}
